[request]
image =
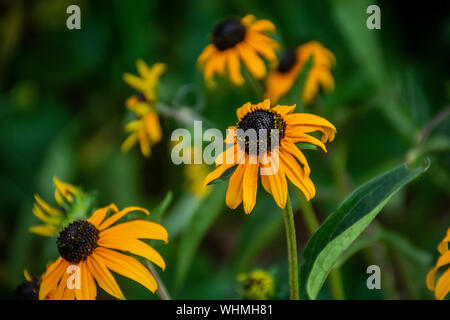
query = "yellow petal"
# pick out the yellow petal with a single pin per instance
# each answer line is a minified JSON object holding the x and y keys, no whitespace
{"x":253,"y":62}
{"x":127,"y":266}
{"x":234,"y":191}
{"x":119,"y":215}
{"x":99,"y":215}
{"x":46,"y":207}
{"x":129,"y":142}
{"x":51,"y":277}
{"x":137,"y":229}
{"x":134,"y":246}
{"x":103,"y":277}
{"x":250,"y":186}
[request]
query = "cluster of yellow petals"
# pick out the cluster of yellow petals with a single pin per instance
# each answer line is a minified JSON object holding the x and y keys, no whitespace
{"x":146,"y":129}
{"x":53,"y":217}
{"x":319,"y":75}
{"x":442,"y":287}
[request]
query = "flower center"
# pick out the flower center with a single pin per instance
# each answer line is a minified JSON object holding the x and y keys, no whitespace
{"x":287,"y":61}
{"x":77,"y":241}
{"x":257,"y":120}
{"x":28,"y":290}
{"x":227,"y":34}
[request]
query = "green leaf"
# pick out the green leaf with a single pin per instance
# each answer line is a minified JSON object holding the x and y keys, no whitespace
{"x":158,"y":213}
{"x":196,"y":230}
{"x":306,"y":146}
{"x":342,"y":228}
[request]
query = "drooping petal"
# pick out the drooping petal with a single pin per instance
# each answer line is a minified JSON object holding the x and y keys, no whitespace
{"x":119,"y":215}
{"x":46,"y":207}
{"x":295,"y":174}
{"x":206,"y":54}
{"x":250,"y":185}
{"x":277,"y":181}
{"x":443,"y":285}
{"x":52,"y":277}
{"x":252,"y":61}
{"x":134,"y":246}
{"x":234,"y":68}
{"x":129,"y":142}
{"x":44,"y":230}
{"x":103,"y":277}
{"x":151,"y":123}
{"x":234,"y":191}
{"x":217,"y":173}
{"x":261,"y":45}
{"x":127,"y":266}
{"x":144,"y":143}
{"x":99,"y":215}
{"x":296,"y":152}
{"x":88,"y":289}
{"x":296,"y":137}
{"x":137,"y":229}
{"x":135,"y":82}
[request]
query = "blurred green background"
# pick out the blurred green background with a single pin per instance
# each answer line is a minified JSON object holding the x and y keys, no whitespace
{"x":62,"y":113}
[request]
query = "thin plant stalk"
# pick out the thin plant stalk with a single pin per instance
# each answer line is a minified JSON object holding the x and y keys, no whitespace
{"x":292,"y":250}
{"x":335,"y":277}
{"x":162,"y":290}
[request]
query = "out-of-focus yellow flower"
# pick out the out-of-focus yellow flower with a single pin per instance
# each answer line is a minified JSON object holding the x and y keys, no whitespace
{"x":256,"y":285}
{"x":283,"y":76}
{"x":147,"y":81}
{"x":234,"y":40}
{"x":52,"y":217}
{"x":146,"y":129}
{"x":442,"y":287}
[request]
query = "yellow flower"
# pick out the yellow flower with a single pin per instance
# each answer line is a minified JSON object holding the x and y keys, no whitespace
{"x":256,"y":285}
{"x":233,"y":40}
{"x":148,"y":80}
{"x":146,"y":129}
{"x":90,"y":248}
{"x":281,"y":79}
{"x":292,"y":128}
{"x":53,"y":218}
{"x":442,"y":287}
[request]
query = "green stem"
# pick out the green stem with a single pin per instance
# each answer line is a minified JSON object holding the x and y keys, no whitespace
{"x":162,"y":291}
{"x":256,"y":86}
{"x":335,"y":278}
{"x":292,"y":250}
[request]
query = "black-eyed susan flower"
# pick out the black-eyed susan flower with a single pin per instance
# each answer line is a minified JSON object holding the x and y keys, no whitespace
{"x":442,"y":287}
{"x":256,"y":285}
{"x":29,"y":289}
{"x":281,"y":78}
{"x":146,"y":129}
{"x":234,"y":40}
{"x":72,"y":203}
{"x":90,"y":248}
{"x":274,"y":164}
